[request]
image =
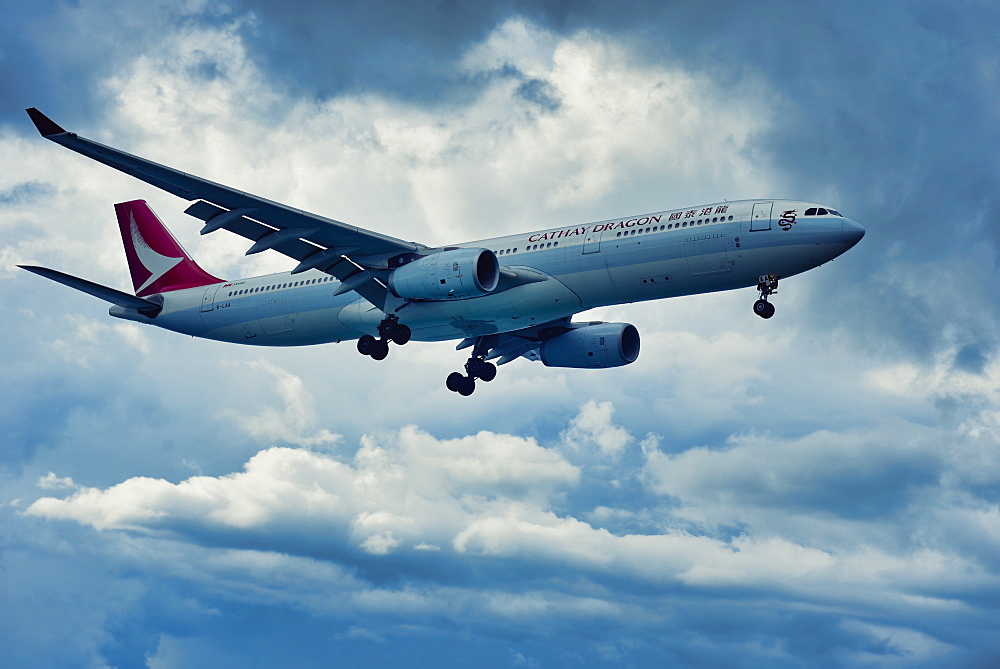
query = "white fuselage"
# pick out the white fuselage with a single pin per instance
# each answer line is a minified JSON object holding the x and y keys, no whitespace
{"x":666,"y":254}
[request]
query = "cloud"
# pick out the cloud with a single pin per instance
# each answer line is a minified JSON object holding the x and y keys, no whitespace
{"x":848,"y":475}
{"x":493,"y":499}
{"x":52,"y":482}
{"x":411,"y":492}
{"x":593,"y":427}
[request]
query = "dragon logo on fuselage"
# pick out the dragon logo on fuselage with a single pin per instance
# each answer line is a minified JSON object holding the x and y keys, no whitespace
{"x":787,"y":219}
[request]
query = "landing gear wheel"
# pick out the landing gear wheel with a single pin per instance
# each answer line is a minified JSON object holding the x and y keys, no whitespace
{"x":487,"y":371}
{"x":380,"y":349}
{"x":463,"y":385}
{"x":391,"y":328}
{"x":386,"y":327}
{"x":473,"y":366}
{"x":454,"y":381}
{"x":366,"y":344}
{"x":468,"y":386}
{"x":400,"y":334}
{"x":763,"y":308}
{"x":767,"y":285}
{"x":480,"y":369}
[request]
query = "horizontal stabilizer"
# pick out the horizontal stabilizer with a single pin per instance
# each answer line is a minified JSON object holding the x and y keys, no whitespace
{"x":147,"y":307}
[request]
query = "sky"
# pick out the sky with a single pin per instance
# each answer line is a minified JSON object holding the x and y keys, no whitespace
{"x":819,"y":489}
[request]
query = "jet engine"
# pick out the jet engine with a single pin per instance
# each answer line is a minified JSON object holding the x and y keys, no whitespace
{"x":595,"y":346}
{"x":449,"y":274}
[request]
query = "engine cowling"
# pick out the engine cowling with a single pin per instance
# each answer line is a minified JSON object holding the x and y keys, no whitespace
{"x":447,"y":275}
{"x":592,"y":346}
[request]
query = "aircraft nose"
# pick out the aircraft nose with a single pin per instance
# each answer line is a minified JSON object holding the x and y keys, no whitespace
{"x":853,"y":232}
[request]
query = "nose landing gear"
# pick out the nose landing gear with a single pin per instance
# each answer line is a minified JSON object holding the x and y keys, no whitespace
{"x":390,"y":329}
{"x":767,"y":284}
{"x":476,"y":367}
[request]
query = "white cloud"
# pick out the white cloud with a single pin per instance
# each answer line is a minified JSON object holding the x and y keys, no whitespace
{"x":593,"y":426}
{"x":492,"y":499}
{"x":52,"y":482}
{"x":294,"y":422}
{"x":413,"y":489}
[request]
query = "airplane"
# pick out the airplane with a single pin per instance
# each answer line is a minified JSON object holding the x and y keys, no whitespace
{"x":504,"y":297}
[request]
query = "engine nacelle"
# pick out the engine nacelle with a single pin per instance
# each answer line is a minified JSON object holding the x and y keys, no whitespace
{"x":446,"y":275}
{"x":594,"y":346}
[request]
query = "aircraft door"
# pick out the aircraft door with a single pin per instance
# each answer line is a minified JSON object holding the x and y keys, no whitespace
{"x":592,"y":243}
{"x":761,"y":218}
{"x":208,"y":299}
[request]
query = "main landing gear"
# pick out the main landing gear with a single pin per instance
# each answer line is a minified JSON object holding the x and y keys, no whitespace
{"x":475,"y":368}
{"x":766,"y":285}
{"x":390,"y":329}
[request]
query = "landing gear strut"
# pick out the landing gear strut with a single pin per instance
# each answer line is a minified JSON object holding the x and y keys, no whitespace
{"x":476,"y":367}
{"x":390,"y":329}
{"x":767,"y":284}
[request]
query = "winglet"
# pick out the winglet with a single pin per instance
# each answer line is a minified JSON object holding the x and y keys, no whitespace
{"x":45,"y":125}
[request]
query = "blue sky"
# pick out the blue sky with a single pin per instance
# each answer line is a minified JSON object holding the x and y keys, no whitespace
{"x":817,"y":489}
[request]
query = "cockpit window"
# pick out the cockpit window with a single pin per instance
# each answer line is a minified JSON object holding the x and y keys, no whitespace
{"x":822,"y":211}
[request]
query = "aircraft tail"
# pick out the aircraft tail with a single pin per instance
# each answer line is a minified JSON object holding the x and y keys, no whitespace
{"x":157,"y":262}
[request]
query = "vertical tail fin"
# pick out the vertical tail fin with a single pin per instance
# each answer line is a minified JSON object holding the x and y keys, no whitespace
{"x":156,"y":260}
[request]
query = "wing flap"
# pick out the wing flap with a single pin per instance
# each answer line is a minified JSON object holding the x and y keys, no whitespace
{"x":248,"y":228}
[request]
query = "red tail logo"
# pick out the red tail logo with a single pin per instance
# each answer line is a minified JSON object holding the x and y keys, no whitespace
{"x":156,"y":260}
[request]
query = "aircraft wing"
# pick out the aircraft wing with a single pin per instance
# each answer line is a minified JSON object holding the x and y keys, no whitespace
{"x":331,"y":246}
